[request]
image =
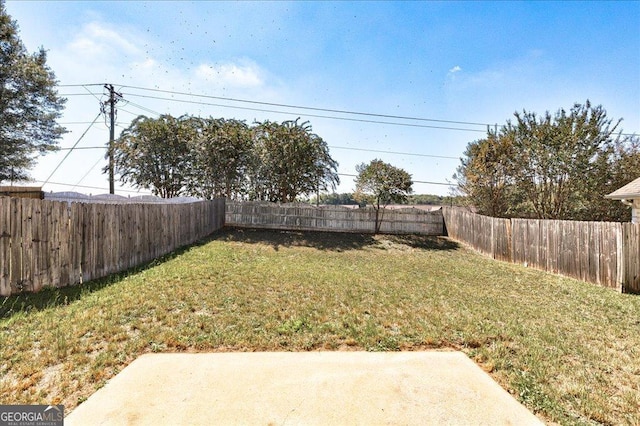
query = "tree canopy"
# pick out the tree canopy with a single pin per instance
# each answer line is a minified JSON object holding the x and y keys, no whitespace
{"x":556,"y":166}
{"x":380,"y":184}
{"x":290,"y":161}
{"x":154,"y":154}
{"x":224,"y":158}
{"x":29,"y":104}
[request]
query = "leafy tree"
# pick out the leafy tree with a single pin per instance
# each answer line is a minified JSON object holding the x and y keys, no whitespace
{"x":485,"y":175}
{"x":624,"y":166}
{"x":380,"y":184}
{"x":155,"y":154}
{"x":435,"y":200}
{"x":550,"y":167}
{"x":222,"y":156}
{"x":337,"y":199}
{"x":29,"y":104}
{"x":290,"y":161}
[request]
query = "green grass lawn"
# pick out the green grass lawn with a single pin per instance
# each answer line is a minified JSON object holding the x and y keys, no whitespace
{"x":568,"y":350}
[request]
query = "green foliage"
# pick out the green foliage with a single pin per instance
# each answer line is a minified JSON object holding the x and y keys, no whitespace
{"x":551,"y":167}
{"x":380,"y":184}
{"x":344,"y":199}
{"x":435,"y":200}
{"x":485,"y":177}
{"x":222,"y":157}
{"x":29,"y":104}
{"x":211,"y":158}
{"x":154,"y":154}
{"x":290,"y":161}
{"x":348,"y":199}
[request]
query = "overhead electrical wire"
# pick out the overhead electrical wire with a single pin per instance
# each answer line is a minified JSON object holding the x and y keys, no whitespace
{"x":81,"y":85}
{"x":143,"y":108}
{"x":87,"y":174}
{"x":414,"y":181}
{"x":72,"y":148}
{"x":82,"y":147}
{"x":299,"y":107}
{"x":68,"y":123}
{"x":87,"y":187}
{"x":400,"y":117}
{"x":359,"y":120}
{"x":393,"y":152}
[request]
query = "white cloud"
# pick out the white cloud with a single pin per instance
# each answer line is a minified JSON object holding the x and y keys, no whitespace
{"x":231,"y":74}
{"x":97,"y":39}
{"x":455,"y":69}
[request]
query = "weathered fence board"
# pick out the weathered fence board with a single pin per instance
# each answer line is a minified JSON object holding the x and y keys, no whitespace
{"x":332,"y":218}
{"x":5,"y":246}
{"x":489,"y":235}
{"x":631,"y":256}
{"x":604,"y":253}
{"x":54,"y":244}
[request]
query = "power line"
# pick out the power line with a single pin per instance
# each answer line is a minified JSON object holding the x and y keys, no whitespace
{"x":393,"y":152}
{"x":74,"y":145}
{"x":368,"y":114}
{"x":80,"y":85}
{"x":88,"y":171}
{"x":82,"y":147}
{"x":85,"y":186}
{"x":330,"y":146}
{"x":307,"y":115}
{"x":301,"y":107}
{"x":414,"y":181}
{"x":143,"y":108}
{"x":67,"y":123}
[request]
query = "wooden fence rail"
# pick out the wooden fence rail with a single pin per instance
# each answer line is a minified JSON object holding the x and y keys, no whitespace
{"x":55,"y":244}
{"x":306,"y":217}
{"x":605,"y":253}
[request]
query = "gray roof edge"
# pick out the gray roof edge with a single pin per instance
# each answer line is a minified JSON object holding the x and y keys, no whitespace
{"x":629,"y":191}
{"x":614,"y":196}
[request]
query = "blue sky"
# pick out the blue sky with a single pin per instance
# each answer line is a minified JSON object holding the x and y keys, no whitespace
{"x":468,"y":62}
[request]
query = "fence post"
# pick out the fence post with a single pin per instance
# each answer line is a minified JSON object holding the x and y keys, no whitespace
{"x":620,"y":258}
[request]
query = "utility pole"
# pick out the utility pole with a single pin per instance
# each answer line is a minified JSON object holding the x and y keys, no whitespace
{"x":114,"y":97}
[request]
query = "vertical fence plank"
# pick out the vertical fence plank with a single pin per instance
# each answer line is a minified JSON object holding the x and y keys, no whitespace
{"x":5,"y":246}
{"x":16,"y":246}
{"x":630,"y":280}
{"x":604,"y":253}
{"x":76,"y":243}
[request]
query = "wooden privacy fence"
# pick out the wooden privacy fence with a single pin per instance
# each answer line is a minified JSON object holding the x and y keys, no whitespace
{"x":605,"y":253}
{"x":55,"y":244}
{"x":306,"y":217}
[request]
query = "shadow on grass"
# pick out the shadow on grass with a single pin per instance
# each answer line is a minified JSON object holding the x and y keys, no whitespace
{"x":424,"y":242}
{"x":331,"y":241}
{"x":53,"y":297}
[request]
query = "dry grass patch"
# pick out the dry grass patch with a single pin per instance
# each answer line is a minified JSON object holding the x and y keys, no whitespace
{"x":568,"y":350}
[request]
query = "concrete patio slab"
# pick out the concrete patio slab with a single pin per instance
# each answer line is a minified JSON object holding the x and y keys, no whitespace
{"x":308,"y":388}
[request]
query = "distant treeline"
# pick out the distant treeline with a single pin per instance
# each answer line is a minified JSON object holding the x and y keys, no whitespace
{"x":347,"y":198}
